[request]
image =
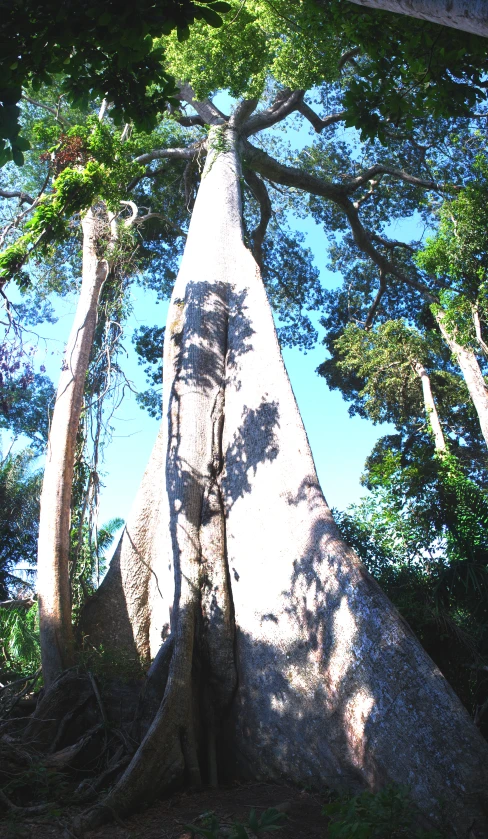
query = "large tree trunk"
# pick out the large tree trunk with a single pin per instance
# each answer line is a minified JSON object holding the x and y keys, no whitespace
{"x":54,"y":528}
{"x":333,"y":688}
{"x":468,"y":15}
{"x":471,"y":371}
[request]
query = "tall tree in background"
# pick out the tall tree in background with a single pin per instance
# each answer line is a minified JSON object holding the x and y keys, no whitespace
{"x":54,"y":529}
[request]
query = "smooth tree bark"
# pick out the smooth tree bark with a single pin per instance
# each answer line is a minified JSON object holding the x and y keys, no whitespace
{"x":468,"y":15}
{"x":123,"y":614}
{"x":54,"y":526}
{"x":285,"y":659}
{"x":430,"y":407}
{"x":472,"y":374}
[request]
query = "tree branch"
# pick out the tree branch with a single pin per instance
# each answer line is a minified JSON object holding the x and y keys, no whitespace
{"x":51,"y":110}
{"x":370,"y":317}
{"x":381,"y":169}
{"x":363,"y":240}
{"x":348,"y":57}
{"x":477,"y":329}
{"x":318,"y":123}
{"x":467,"y":16}
{"x":243,"y":110}
{"x":21,"y":603}
{"x":293,"y":177}
{"x":24,"y":197}
{"x":286,"y":102}
{"x":183,"y":119}
{"x":269,"y":168}
{"x":186,"y":153}
{"x":391,"y":244}
{"x":134,"y":213}
{"x":258,"y":189}
{"x":205,"y":108}
{"x":190,"y":121}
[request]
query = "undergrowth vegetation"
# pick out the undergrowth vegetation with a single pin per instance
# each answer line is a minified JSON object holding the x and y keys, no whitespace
{"x":387,"y":814}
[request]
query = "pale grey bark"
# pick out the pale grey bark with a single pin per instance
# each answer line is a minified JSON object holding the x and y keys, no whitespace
{"x":53,"y":553}
{"x":477,"y":329}
{"x":333,"y":687}
{"x":193,"y":412}
{"x":472,"y":374}
{"x":205,"y":108}
{"x":430,"y":407}
{"x":467,"y":15}
{"x":138,"y":584}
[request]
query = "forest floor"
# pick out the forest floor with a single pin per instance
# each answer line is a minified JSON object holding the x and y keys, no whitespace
{"x":167,"y":819}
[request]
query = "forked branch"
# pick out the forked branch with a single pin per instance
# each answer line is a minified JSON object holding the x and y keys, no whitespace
{"x":319,"y":123}
{"x":285,"y":103}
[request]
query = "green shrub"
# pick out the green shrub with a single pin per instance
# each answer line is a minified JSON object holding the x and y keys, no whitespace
{"x":20,"y":645}
{"x":387,"y":814}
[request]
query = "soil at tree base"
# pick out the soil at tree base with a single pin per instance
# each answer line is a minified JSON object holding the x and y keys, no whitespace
{"x":167,"y":819}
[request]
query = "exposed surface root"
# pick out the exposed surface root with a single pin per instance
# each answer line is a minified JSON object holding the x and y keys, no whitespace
{"x":77,"y":741}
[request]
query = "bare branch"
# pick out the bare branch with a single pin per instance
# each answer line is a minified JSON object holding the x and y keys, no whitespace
{"x":136,"y":219}
{"x":258,"y":189}
{"x":318,"y":123}
{"x":369,"y":320}
{"x":348,"y":57}
{"x":269,"y":168}
{"x":477,"y":328}
{"x":183,"y":119}
{"x":469,"y":17}
{"x":24,"y":197}
{"x":135,"y":212}
{"x":380,"y":169}
{"x":186,"y":153}
{"x":205,"y":108}
{"x":363,"y":240}
{"x":285,"y":103}
{"x":49,"y":108}
{"x":103,"y":109}
{"x":189,"y":121}
{"x":175,"y":227}
{"x":391,"y":244}
{"x":125,"y":133}
{"x":21,"y":603}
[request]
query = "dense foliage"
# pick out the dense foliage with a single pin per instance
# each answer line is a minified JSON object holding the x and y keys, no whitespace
{"x":99,"y":49}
